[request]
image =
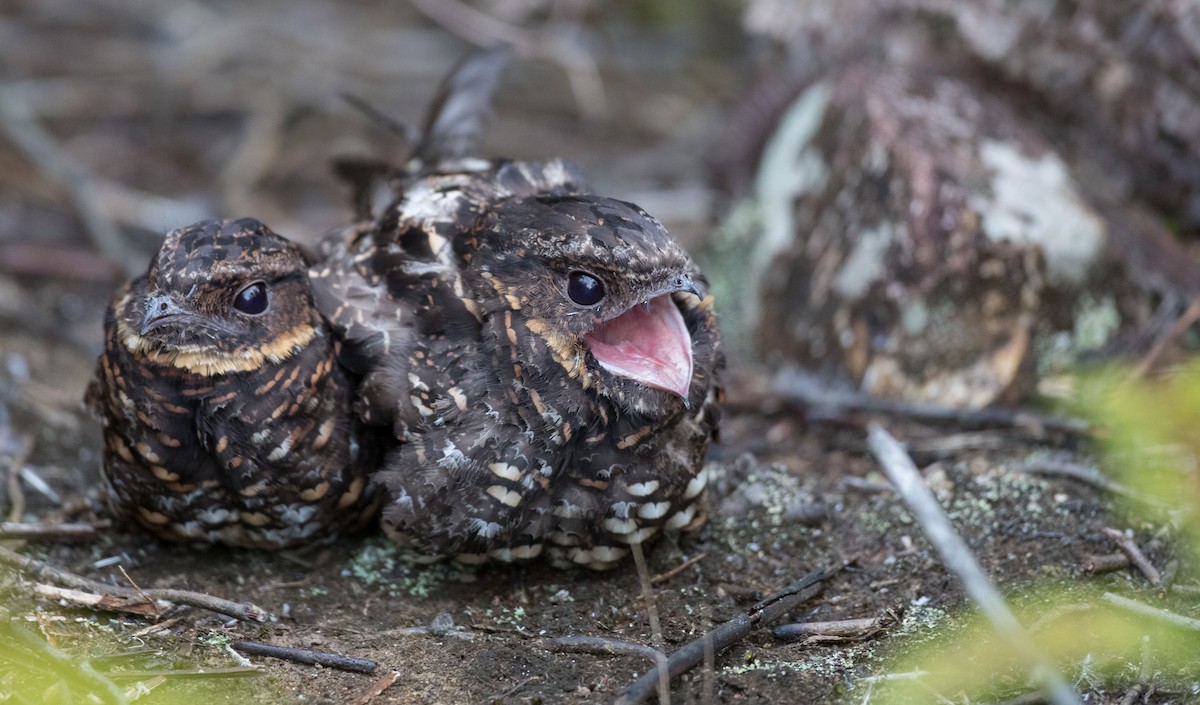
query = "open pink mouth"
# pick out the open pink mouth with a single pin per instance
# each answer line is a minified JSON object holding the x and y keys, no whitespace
{"x":648,"y":343}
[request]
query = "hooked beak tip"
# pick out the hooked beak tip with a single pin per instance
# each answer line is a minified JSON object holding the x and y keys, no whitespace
{"x":686,"y":283}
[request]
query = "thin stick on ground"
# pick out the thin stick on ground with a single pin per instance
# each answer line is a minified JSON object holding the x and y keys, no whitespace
{"x":1130,"y":548}
{"x":846,"y":628}
{"x":16,"y":530}
{"x":319,"y":658}
{"x":832,"y":402}
{"x":377,"y":688}
{"x":664,"y":577}
{"x":1085,"y":474}
{"x":198,"y":673}
{"x":1181,"y":326}
{"x":1106,"y":563}
{"x":729,"y":633}
{"x":109,"y":603}
{"x":1145,"y":610}
{"x":139,"y":589}
{"x":602,"y":646}
{"x":16,"y":496}
{"x":664,"y":681}
{"x":958,"y":558}
{"x":39,"y":570}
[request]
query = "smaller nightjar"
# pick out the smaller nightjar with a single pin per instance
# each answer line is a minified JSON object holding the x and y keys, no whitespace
{"x":227,"y":416}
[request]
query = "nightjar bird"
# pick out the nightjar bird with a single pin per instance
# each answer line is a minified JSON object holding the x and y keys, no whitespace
{"x":546,"y":358}
{"x":227,"y":415}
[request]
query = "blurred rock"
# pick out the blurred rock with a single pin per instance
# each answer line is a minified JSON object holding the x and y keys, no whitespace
{"x":1121,"y":77}
{"x":946,"y":202}
{"x":1123,"y":73}
{"x":917,"y":236}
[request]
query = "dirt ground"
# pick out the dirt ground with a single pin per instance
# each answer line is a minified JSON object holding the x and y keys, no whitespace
{"x":167,"y":118}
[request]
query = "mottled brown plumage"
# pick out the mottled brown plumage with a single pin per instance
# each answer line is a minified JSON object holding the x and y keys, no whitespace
{"x":226,"y":412}
{"x":545,"y":358}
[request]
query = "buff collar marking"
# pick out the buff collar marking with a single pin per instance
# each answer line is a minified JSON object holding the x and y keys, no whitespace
{"x":199,"y":361}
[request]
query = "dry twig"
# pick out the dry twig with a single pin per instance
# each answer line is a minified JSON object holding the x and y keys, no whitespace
{"x":205,"y":673}
{"x":862,"y":484}
{"x":842,"y":629}
{"x":831,"y":402}
{"x":602,"y":646}
{"x":693,"y":653}
{"x":16,"y":496}
{"x":139,"y":589}
{"x":16,"y":530}
{"x":40,"y":570}
{"x":511,"y":690}
{"x":377,"y":688}
{"x":664,"y":577}
{"x":319,"y":658}
{"x":1181,"y":326}
{"x":957,"y":557}
{"x":113,"y":603}
{"x":1145,"y":610}
{"x":1083,"y":473}
{"x":1139,"y":559}
{"x":664,"y":681}
{"x":1106,"y":563}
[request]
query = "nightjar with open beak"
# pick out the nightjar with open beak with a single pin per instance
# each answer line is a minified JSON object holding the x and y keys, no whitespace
{"x":545,"y":358}
{"x":227,"y":415}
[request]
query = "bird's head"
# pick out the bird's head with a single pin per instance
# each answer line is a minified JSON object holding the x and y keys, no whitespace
{"x":614,"y":297}
{"x":219,"y":297}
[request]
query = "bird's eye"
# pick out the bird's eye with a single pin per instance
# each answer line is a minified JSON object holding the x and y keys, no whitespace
{"x":252,"y":299}
{"x":584,"y":289}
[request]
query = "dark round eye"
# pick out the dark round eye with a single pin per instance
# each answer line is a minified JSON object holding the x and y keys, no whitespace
{"x":252,"y":299}
{"x":584,"y":289}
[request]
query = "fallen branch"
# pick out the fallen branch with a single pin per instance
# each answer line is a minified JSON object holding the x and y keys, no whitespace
{"x":833,"y":402}
{"x":42,"y":571}
{"x":862,"y":484}
{"x":1145,"y":610}
{"x":729,"y":633}
{"x":1106,"y":563}
{"x":1130,"y":548}
{"x":15,"y":530}
{"x":319,"y":658}
{"x":1085,"y":474}
{"x":112,"y":603}
{"x":231,"y":672}
{"x":600,"y":645}
{"x":842,"y":629}
{"x":1189,"y":590}
{"x":957,"y":557}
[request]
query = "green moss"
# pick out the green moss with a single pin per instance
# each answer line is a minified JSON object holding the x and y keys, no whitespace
{"x":396,"y":571}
